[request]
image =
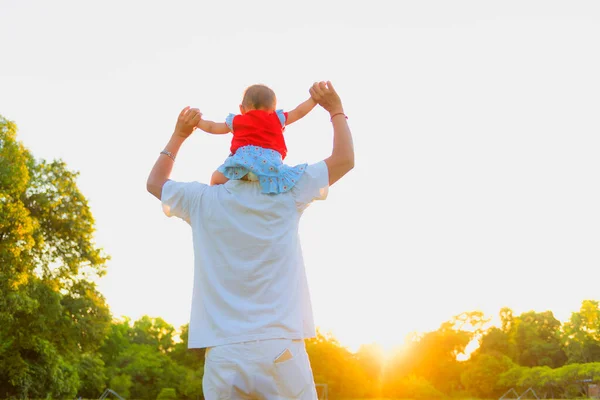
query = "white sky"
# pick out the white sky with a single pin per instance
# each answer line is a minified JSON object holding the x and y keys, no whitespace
{"x":476,"y":132}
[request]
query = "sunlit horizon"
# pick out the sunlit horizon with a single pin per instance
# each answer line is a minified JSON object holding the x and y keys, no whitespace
{"x":398,"y":344}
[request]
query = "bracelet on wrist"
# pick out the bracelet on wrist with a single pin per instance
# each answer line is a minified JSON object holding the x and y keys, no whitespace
{"x":168,"y":154}
{"x":336,"y":114}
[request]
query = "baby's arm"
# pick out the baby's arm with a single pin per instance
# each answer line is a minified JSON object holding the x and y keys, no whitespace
{"x":300,"y":111}
{"x":216,"y":128}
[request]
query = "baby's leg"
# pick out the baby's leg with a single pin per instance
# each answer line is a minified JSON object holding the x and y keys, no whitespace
{"x":218,"y":178}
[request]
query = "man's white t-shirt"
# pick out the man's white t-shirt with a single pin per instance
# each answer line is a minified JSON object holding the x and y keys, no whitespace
{"x":249,"y":276}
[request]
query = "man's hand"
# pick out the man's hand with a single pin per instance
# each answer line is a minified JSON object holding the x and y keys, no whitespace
{"x":326,"y":96}
{"x":342,"y":155}
{"x":186,"y":122}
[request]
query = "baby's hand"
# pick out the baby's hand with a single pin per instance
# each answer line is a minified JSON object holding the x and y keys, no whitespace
{"x":215,"y":128}
{"x":199,"y":122}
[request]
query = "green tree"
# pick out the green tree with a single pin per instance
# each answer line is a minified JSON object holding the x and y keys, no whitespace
{"x":495,"y":340}
{"x":536,"y":339}
{"x":507,"y":318}
{"x":530,"y":339}
{"x":145,"y":352}
{"x":119,"y":338}
{"x":167,"y":394}
{"x":182,"y":355}
{"x":150,"y":370}
{"x":581,"y":334}
{"x":154,"y":332}
{"x":568,"y":381}
{"x":121,"y":384}
{"x":480,"y":377}
{"x":193,"y":360}
{"x":16,"y":226}
{"x":92,"y":374}
{"x":46,"y":255}
{"x":191,"y":386}
{"x":337,"y":367}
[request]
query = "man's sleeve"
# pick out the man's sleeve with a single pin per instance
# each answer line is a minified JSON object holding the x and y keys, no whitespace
{"x":314,"y":185}
{"x":181,"y":199}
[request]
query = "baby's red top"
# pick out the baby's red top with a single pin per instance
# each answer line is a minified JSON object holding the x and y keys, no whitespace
{"x":259,"y":128}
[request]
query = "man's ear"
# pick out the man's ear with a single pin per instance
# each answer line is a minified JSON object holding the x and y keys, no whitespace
{"x":242,"y":109}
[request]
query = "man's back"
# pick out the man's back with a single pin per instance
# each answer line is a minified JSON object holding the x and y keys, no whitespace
{"x":249,"y":278}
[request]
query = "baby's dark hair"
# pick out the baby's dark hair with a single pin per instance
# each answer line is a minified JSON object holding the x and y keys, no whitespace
{"x":259,"y":97}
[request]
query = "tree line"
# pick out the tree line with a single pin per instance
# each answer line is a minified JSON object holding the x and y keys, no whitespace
{"x":58,"y":338}
{"x":530,"y":350}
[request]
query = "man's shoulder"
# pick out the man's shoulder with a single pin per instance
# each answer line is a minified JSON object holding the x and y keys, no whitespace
{"x":313,"y":185}
{"x":319,"y":165}
{"x":316,"y":171}
{"x":172,"y":185}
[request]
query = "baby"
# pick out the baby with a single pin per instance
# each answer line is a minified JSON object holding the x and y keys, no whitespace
{"x":258,"y":146}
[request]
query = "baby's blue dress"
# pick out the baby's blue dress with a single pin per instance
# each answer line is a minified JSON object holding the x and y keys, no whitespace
{"x":264,"y":165}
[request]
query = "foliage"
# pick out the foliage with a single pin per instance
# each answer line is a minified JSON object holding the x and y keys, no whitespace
{"x":336,"y":366}
{"x":121,"y":384}
{"x":416,"y":387}
{"x":581,"y":334}
{"x":154,"y":332}
{"x":51,"y":316}
{"x":137,"y":352}
{"x":564,"y":382}
{"x":92,"y":375}
{"x":167,"y":394}
{"x":433,"y":356}
{"x":480,"y":377}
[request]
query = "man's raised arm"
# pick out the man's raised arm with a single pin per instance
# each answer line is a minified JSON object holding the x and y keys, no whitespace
{"x":186,"y":123}
{"x":342,"y":156}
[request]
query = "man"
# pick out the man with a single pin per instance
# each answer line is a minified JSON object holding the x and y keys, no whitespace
{"x":251,"y":306}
